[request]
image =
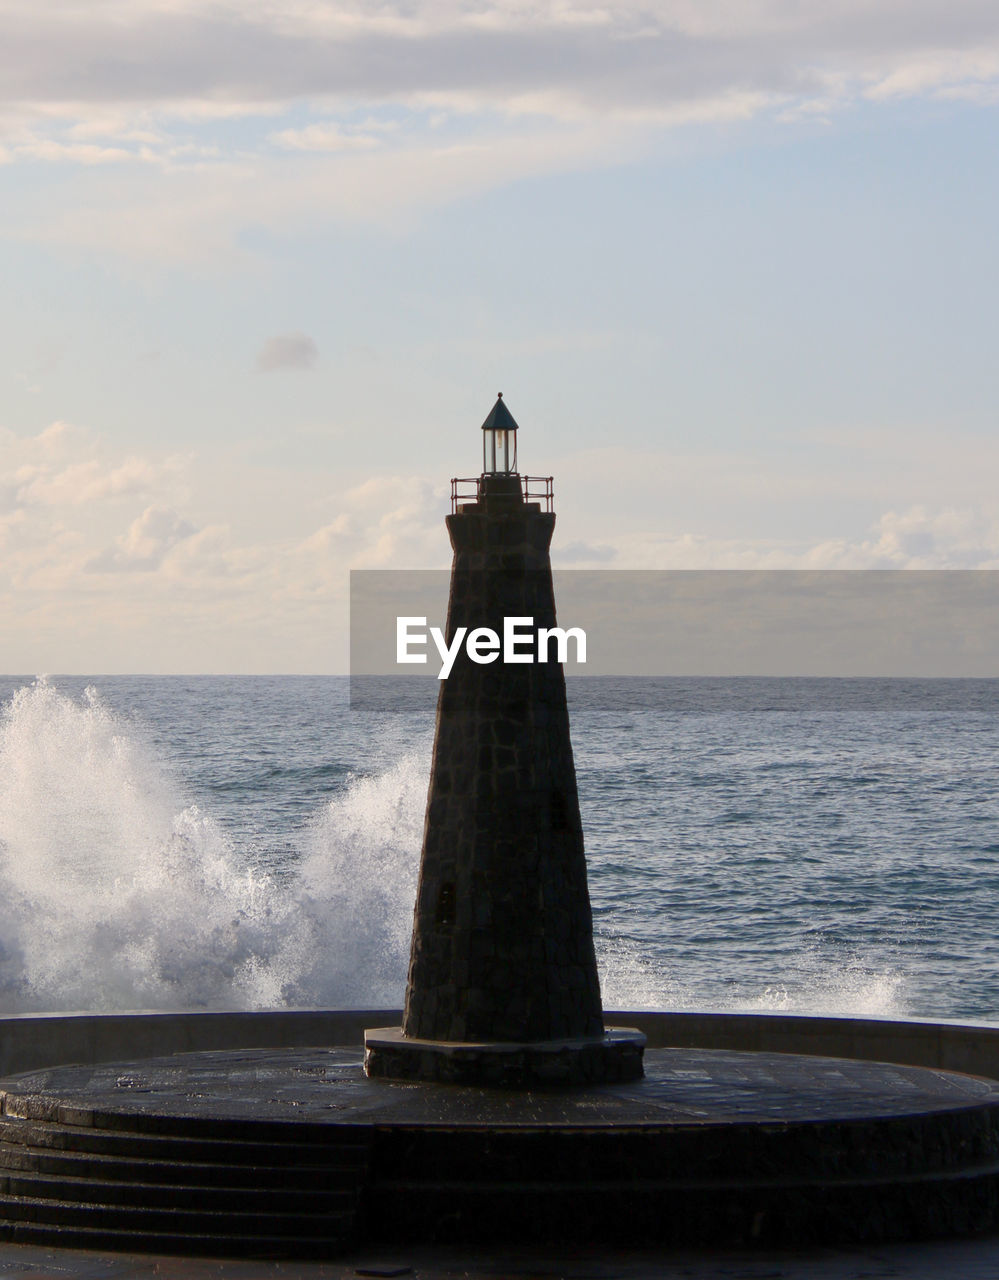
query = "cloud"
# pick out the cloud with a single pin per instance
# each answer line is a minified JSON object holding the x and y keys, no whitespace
{"x":388,"y":522}
{"x":584,"y":552}
{"x":287,"y":351}
{"x":945,"y":72}
{"x":65,"y":465}
{"x":144,"y":75}
{"x":82,"y":482}
{"x":323,"y":137}
{"x":198,"y":214}
{"x":162,"y":563}
{"x":146,"y":543}
{"x":587,"y":55}
{"x":78,"y":153}
{"x":61,"y":493}
{"x":916,"y":538}
{"x":180,"y":124}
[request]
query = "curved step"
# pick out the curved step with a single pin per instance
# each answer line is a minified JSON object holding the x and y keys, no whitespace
{"x":779,"y":1211}
{"x":933,"y":1140}
{"x":266,"y":1193}
{"x":57,"y":1163}
{"x":52,"y":1109}
{"x":345,"y":1150}
{"x":190,"y":1222}
{"x":182,"y":1194}
{"x":119,"y":1240}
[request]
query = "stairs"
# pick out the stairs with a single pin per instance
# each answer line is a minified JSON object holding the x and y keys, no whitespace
{"x":208,"y":1187}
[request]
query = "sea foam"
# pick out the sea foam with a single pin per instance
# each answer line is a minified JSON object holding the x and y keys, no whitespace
{"x":116,"y":893}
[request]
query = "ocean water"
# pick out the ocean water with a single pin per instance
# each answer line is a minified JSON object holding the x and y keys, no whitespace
{"x":825,"y":846}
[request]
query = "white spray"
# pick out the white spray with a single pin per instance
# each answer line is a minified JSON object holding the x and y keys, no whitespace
{"x":115,"y":894}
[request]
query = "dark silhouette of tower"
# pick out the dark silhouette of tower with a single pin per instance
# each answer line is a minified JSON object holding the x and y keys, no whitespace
{"x":503,"y":984}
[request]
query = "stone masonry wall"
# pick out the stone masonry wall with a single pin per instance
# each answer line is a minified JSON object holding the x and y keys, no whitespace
{"x":502,"y":940}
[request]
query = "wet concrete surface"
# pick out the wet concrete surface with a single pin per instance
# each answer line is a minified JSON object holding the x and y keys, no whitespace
{"x":321,"y":1086}
{"x":948,"y":1260}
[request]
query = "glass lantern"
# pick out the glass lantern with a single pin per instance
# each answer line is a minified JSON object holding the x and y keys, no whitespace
{"x":499,"y":441}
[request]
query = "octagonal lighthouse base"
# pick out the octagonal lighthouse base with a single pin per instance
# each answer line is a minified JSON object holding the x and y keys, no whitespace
{"x":614,"y":1057}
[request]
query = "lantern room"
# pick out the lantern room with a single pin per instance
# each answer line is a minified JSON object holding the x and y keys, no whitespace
{"x":499,"y":441}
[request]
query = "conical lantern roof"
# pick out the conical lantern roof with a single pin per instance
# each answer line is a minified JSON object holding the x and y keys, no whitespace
{"x":500,"y":418}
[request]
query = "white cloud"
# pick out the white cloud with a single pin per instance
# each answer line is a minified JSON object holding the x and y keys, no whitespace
{"x":606,"y":56}
{"x":584,"y":553}
{"x":914,"y":538}
{"x":77,"y":152}
{"x":860,"y":498}
{"x":180,"y":124}
{"x":190,"y":214}
{"x":386,"y":522}
{"x":88,"y":481}
{"x":945,"y":72}
{"x":323,"y":137}
{"x":142,"y":554}
{"x":208,"y":561}
{"x":105,"y":563}
{"x":59,"y":491}
{"x":287,"y":351}
{"x":146,"y":543}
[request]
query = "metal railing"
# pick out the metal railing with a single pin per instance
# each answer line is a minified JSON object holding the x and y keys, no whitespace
{"x":534,"y":488}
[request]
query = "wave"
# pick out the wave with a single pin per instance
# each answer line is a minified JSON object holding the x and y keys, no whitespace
{"x":115,"y":893}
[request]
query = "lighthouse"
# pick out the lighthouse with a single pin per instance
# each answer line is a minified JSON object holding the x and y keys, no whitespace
{"x":502,"y":986}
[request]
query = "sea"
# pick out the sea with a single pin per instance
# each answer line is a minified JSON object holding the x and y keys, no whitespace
{"x":822,"y":846}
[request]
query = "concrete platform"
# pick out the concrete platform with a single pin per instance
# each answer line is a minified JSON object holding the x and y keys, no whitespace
{"x":296,"y":1153}
{"x":327,"y":1086}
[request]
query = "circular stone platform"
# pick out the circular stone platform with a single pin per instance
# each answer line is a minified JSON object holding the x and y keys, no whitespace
{"x":296,"y":1153}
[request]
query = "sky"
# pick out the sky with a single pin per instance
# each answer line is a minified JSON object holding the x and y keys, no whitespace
{"x":265,"y":266}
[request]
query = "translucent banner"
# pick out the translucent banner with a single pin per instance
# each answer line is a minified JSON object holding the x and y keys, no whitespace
{"x":705,"y":623}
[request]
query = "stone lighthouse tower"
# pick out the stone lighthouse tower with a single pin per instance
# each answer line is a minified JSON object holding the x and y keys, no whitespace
{"x":503,"y":984}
